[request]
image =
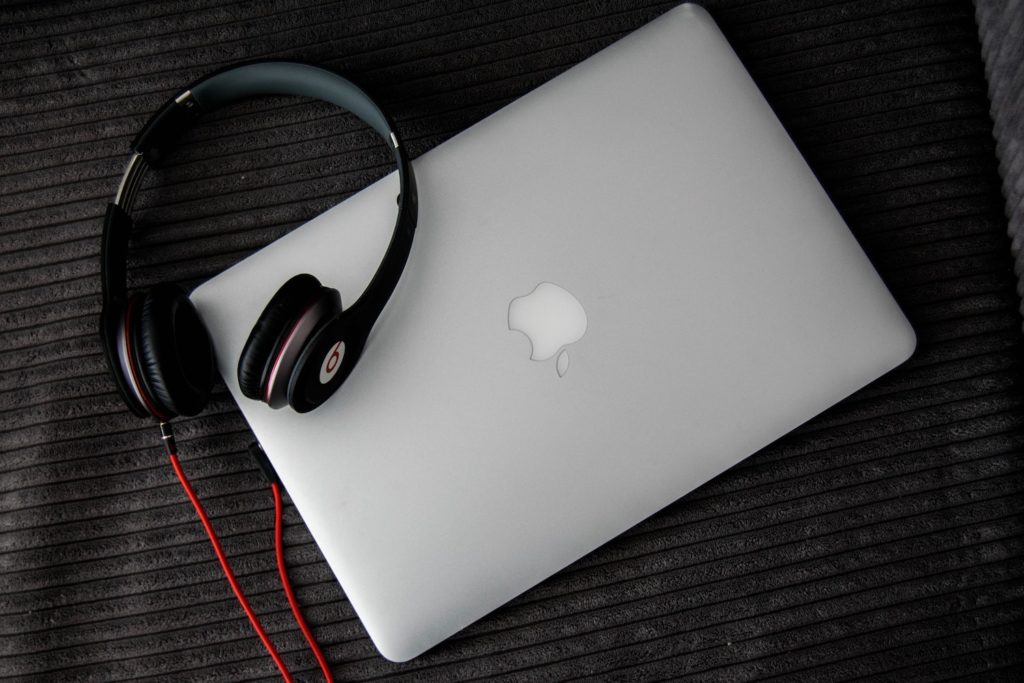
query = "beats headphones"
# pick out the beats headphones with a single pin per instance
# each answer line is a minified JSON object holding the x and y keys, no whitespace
{"x":304,"y":344}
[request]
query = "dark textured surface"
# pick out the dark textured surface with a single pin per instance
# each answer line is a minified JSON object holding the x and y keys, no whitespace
{"x":882,"y":539}
{"x":1001,"y":29}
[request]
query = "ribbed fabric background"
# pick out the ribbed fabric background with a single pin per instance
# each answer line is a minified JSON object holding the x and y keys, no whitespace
{"x":1001,"y":29}
{"x":883,"y":539}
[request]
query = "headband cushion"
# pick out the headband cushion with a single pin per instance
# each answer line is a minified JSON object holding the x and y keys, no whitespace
{"x":289,"y":78}
{"x":285,"y":307}
{"x":173,"y":351}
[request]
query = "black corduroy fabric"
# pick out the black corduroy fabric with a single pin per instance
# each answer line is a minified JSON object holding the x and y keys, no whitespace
{"x":1001,"y":29}
{"x":882,"y":539}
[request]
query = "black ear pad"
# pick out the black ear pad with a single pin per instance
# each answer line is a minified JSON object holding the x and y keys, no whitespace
{"x":109,"y":322}
{"x":271,"y":329}
{"x":172,"y":352}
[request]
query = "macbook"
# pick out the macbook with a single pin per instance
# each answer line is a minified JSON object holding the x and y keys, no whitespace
{"x":622,"y":284}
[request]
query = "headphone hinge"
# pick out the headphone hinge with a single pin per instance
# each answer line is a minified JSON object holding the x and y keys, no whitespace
{"x":162,"y":130}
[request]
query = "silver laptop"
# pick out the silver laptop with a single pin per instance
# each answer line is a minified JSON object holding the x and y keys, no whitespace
{"x":622,"y":284}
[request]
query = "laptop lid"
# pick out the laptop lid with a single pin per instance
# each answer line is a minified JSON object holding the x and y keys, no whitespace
{"x":648,"y":197}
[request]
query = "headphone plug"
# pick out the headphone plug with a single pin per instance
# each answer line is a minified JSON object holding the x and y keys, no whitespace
{"x":263,"y":462}
{"x":167,"y":434}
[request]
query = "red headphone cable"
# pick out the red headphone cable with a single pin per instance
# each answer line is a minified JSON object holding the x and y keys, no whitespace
{"x":168,"y":438}
{"x":287,"y":585}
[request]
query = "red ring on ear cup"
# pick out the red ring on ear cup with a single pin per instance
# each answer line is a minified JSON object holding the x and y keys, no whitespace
{"x":301,"y":305}
{"x":173,"y":351}
{"x":304,"y":326}
{"x":134,"y":372}
{"x":167,"y":353}
{"x":307,"y":388}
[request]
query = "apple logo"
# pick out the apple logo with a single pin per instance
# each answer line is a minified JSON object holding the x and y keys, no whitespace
{"x":551,"y":318}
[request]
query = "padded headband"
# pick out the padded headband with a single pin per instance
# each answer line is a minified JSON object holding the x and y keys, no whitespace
{"x":161,"y":132}
{"x":250,"y":80}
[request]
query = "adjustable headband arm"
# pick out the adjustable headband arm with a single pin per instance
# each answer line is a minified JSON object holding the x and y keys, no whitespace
{"x":370,"y":304}
{"x":113,"y":266}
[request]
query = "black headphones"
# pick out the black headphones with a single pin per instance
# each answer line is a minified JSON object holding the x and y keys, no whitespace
{"x":303,"y":345}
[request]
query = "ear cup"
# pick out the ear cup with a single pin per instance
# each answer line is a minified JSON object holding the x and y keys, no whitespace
{"x":272,"y":328}
{"x":327,"y":359}
{"x":172,"y":352}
